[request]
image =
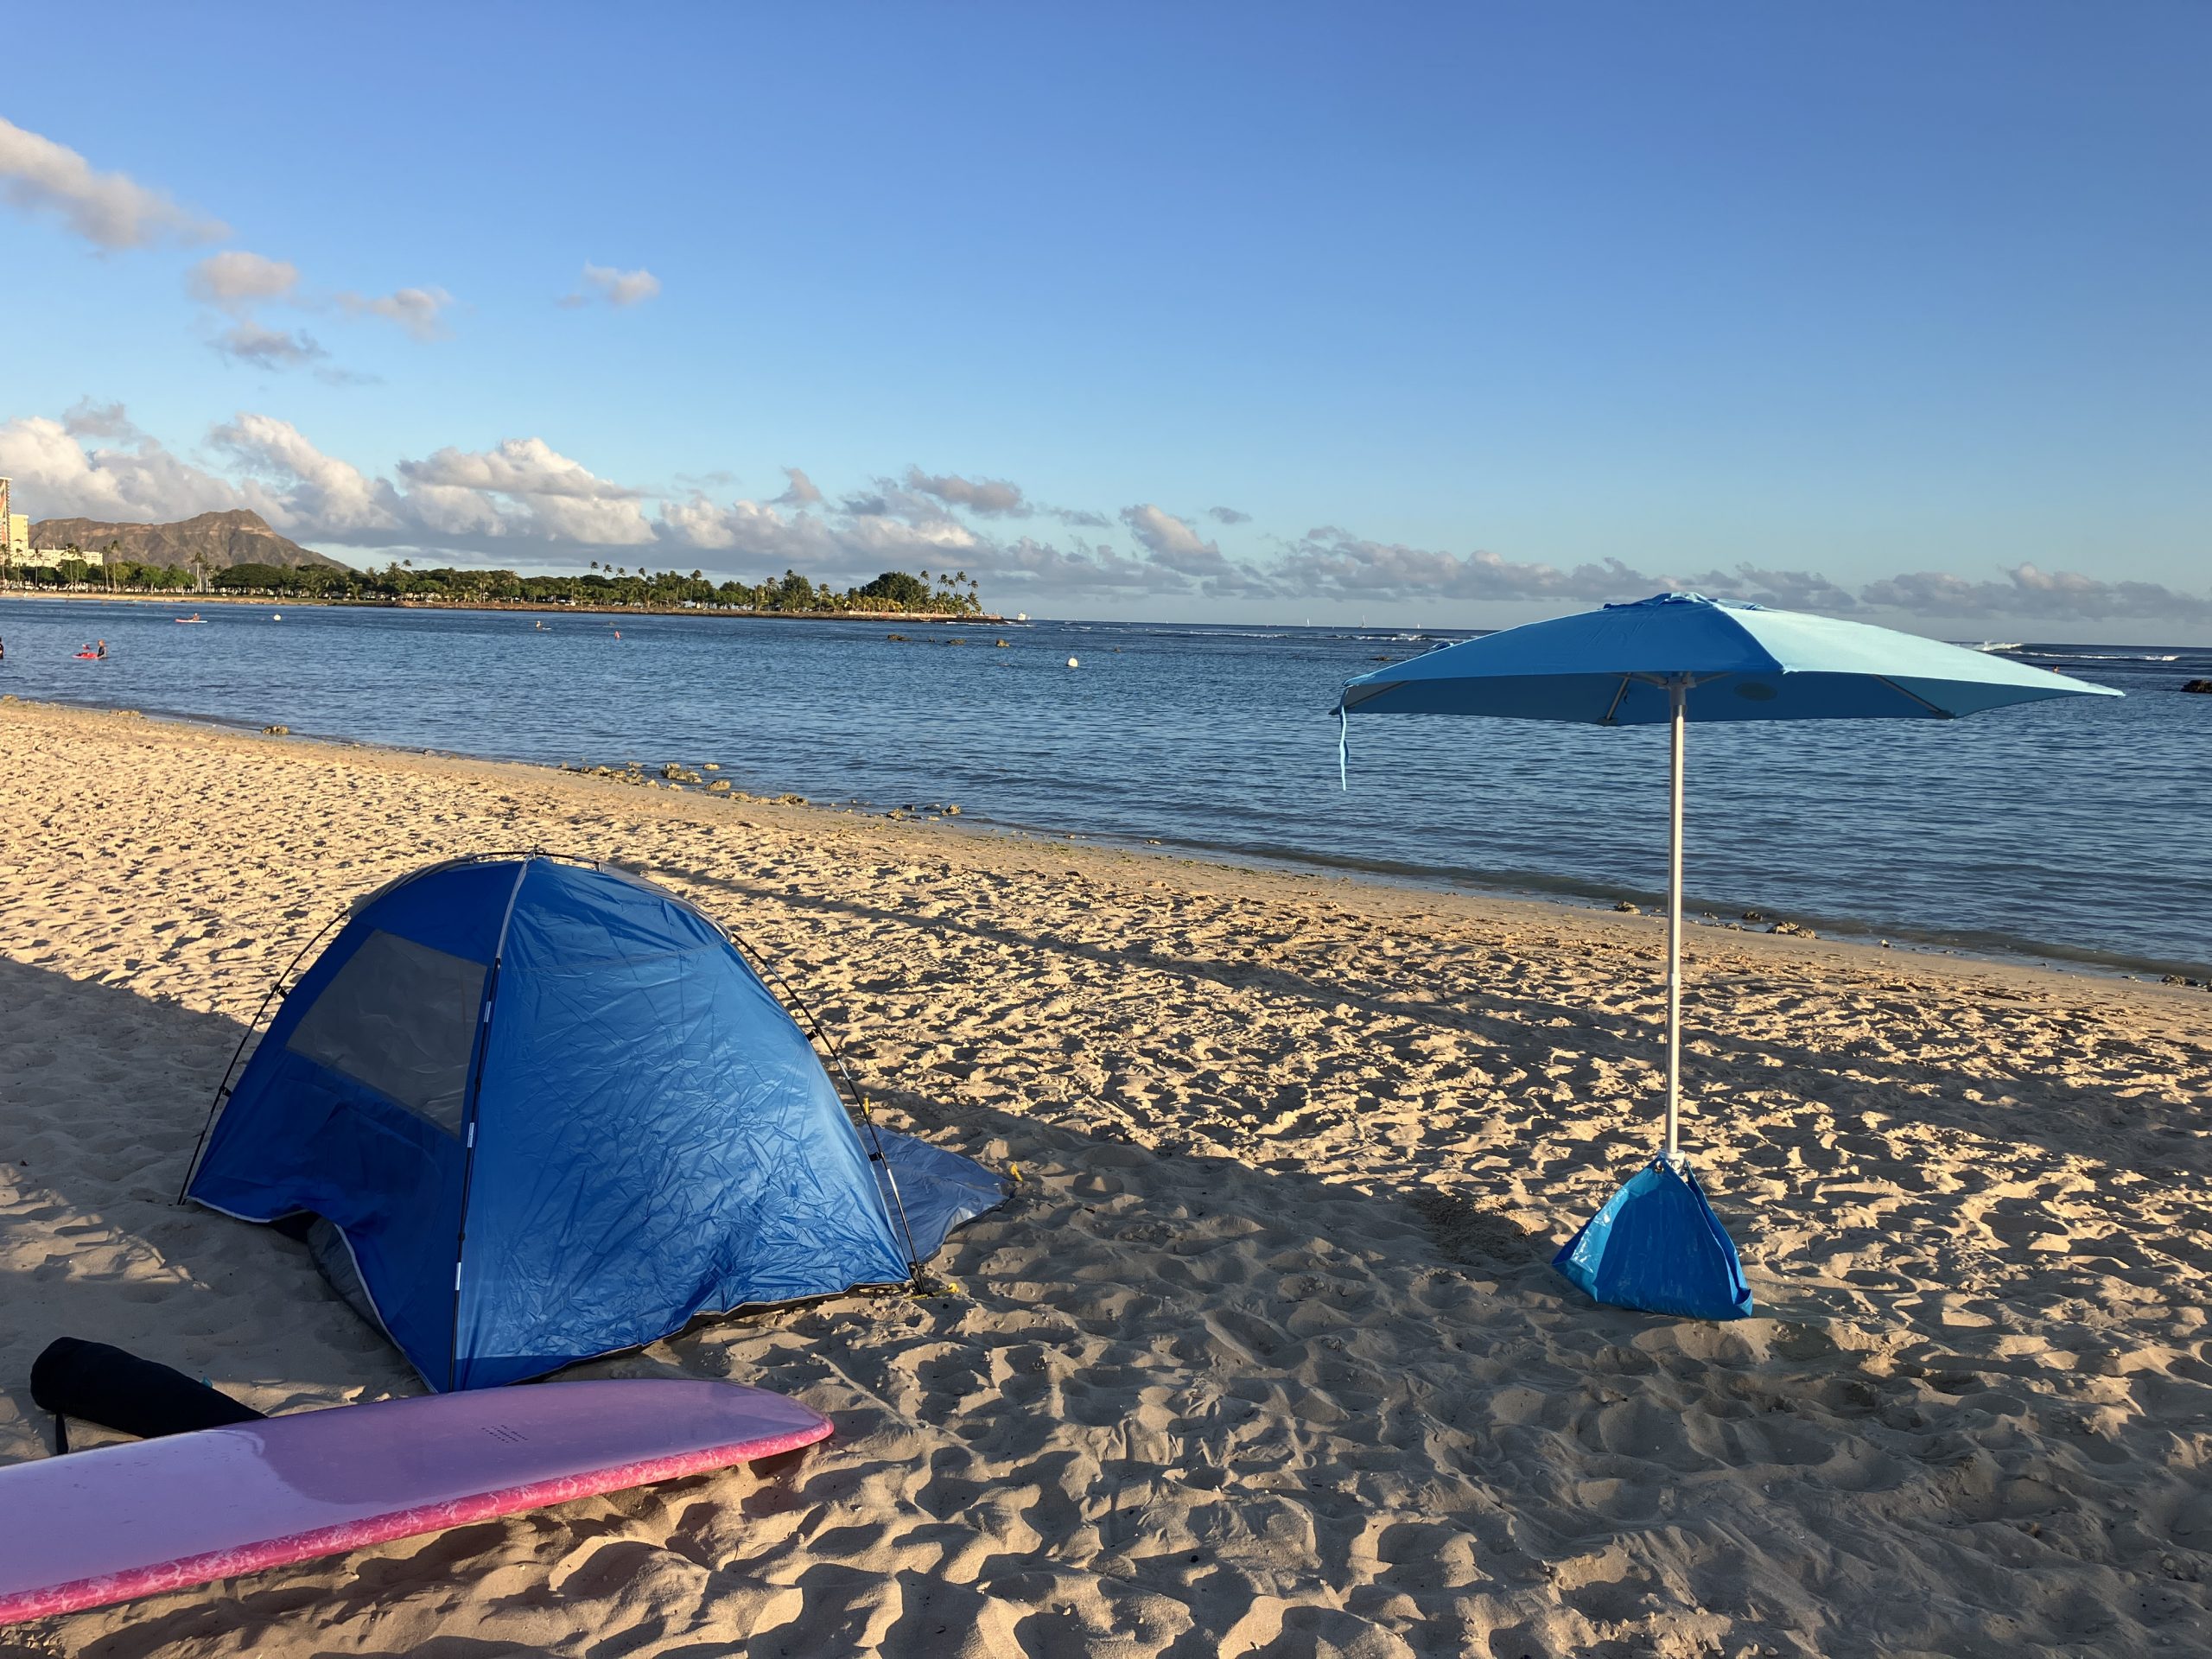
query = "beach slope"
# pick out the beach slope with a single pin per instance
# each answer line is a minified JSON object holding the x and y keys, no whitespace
{"x":1265,"y":1355}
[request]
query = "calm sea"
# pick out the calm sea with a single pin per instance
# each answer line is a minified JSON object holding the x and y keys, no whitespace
{"x":2078,"y":830}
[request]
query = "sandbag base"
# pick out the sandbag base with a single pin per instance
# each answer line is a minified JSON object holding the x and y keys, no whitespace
{"x":1658,"y":1246}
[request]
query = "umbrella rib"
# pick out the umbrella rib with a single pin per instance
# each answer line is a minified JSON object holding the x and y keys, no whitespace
{"x":1614,"y":708}
{"x":1940,"y":713}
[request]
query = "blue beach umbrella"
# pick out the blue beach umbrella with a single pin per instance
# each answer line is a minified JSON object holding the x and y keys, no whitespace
{"x":1656,"y":1244}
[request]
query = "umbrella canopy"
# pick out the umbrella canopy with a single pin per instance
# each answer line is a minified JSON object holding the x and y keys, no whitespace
{"x":1614,"y":667}
{"x":1673,"y":658}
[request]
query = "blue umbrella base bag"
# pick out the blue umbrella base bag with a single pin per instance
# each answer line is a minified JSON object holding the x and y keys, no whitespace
{"x":1656,"y":1245}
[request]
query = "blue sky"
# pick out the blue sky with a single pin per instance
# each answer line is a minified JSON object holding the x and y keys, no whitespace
{"x":1479,"y":313}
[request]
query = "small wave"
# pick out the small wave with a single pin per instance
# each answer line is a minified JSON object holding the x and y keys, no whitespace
{"x":2106,"y":656}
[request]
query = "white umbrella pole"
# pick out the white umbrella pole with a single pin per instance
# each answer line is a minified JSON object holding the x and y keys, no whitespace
{"x":1678,"y":693}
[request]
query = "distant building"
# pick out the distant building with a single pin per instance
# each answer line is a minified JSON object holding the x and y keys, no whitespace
{"x":16,"y":526}
{"x":53,"y":558}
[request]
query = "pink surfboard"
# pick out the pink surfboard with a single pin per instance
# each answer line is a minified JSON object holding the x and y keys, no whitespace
{"x":116,"y":1521}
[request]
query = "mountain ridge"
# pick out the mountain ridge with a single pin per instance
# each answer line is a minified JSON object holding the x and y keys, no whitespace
{"x":239,"y":535}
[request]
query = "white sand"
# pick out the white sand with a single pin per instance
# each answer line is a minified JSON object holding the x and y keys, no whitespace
{"x":1265,"y":1355}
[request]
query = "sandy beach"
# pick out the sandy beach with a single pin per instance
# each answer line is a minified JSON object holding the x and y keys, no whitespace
{"x":1265,"y":1355}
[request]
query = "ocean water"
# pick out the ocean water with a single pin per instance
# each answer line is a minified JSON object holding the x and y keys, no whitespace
{"x":2079,"y":830}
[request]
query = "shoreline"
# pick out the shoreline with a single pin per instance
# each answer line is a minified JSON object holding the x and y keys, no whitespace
{"x":194,"y":601}
{"x":1522,"y":908}
{"x":1266,"y":1346}
{"x":1698,"y":918}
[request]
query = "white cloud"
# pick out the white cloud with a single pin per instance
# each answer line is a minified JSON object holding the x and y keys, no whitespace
{"x":1227,"y":516}
{"x":86,"y":419}
{"x":801,"y":493}
{"x":1168,"y":538}
{"x":247,"y":341}
{"x":420,"y":311}
{"x":1080,"y":568}
{"x":991,"y":497}
{"x":1332,"y":564}
{"x":1789,"y":590}
{"x":1177,"y":550}
{"x":2044,"y":595}
{"x":617,"y":288}
{"x":308,"y":490}
{"x":846,"y":542}
{"x":524,"y":487}
{"x":57,"y":475}
{"x":239,"y":284}
{"x":517,"y":467}
{"x":237,"y":281}
{"x":108,"y":210}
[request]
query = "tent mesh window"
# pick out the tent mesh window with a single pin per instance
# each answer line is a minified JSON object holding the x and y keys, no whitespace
{"x":400,"y":1018}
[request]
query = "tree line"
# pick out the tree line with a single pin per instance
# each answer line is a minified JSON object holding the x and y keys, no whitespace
{"x":947,"y":594}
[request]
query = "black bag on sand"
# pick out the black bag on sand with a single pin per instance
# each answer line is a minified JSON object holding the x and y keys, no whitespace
{"x":104,"y":1385}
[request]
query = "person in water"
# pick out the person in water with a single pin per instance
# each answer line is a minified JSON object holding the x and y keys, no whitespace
{"x":100,"y":651}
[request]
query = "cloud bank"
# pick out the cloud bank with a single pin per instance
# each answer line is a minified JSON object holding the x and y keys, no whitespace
{"x":522,"y":502}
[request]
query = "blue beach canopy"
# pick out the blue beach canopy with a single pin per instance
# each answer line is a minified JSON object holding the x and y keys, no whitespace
{"x":1676,"y":658}
{"x":545,"y":1111}
{"x":1615,"y":666}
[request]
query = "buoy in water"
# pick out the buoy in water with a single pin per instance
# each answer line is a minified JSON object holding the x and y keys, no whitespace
{"x":1073,"y":664}
{"x":279,"y":617}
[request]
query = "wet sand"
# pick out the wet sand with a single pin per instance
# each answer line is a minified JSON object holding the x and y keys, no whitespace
{"x":1265,"y":1355}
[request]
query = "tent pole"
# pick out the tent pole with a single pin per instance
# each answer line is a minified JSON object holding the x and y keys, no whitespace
{"x":1678,"y":694}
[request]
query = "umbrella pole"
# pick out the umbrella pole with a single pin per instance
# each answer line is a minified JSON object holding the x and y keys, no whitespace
{"x":1678,"y":694}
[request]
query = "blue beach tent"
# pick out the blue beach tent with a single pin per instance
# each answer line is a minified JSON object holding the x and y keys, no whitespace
{"x":531,"y":1111}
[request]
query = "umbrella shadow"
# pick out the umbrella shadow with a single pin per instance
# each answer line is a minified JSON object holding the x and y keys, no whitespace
{"x":2156,"y":1137}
